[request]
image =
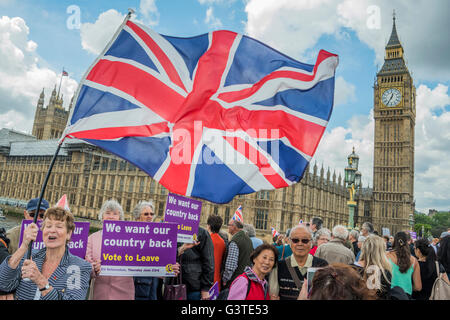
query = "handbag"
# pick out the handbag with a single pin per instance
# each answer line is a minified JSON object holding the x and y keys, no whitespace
{"x":175,"y":289}
{"x":441,"y":289}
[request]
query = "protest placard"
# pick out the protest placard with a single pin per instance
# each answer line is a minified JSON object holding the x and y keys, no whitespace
{"x":132,"y":248}
{"x":77,"y":245}
{"x":186,"y":213}
{"x":214,"y":291}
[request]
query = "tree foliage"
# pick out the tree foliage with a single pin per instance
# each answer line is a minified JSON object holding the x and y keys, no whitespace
{"x":433,"y":225}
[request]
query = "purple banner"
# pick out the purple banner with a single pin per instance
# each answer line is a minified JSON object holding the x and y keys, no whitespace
{"x":413,"y":235}
{"x":77,"y":245}
{"x":186,"y":213}
{"x":131,"y":248}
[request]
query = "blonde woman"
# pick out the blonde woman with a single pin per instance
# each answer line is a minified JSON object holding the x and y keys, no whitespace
{"x":374,"y":265}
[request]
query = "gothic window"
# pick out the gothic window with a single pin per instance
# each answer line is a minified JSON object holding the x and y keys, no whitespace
{"x":226,"y":216}
{"x":121,"y":184}
{"x":152,"y":187}
{"x":94,"y":182}
{"x":113,"y":165}
{"x":111,"y":183}
{"x":131,"y":185}
{"x":261,"y":219}
{"x":105,"y":164}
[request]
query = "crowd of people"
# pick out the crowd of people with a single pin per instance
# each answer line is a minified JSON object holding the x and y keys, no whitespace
{"x":308,"y":262}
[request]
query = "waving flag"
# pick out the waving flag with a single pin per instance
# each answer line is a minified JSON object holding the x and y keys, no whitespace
{"x":210,"y":116}
{"x":274,"y":232}
{"x":62,"y":203}
{"x":238,"y":215}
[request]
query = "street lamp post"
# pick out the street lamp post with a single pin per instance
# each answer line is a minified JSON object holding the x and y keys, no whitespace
{"x":411,"y":222}
{"x":353,"y":182}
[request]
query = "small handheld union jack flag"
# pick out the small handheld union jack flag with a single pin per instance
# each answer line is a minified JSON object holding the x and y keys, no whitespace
{"x":274,"y":232}
{"x":238,"y":215}
{"x":62,"y":203}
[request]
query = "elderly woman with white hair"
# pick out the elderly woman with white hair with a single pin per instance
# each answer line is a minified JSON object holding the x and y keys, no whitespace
{"x":322,"y":236}
{"x":107,"y":287}
{"x":145,"y":287}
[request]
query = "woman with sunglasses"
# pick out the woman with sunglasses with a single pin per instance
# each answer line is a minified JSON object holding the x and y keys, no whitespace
{"x":287,"y":278}
{"x":145,"y":287}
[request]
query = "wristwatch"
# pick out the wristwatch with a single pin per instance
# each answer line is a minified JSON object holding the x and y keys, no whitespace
{"x":47,"y":286}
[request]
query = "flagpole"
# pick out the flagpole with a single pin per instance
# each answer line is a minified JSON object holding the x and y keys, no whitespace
{"x":60,"y":81}
{"x":44,"y":185}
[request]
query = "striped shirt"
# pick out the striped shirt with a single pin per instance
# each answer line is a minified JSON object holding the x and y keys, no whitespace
{"x":231,"y":263}
{"x":70,"y":280}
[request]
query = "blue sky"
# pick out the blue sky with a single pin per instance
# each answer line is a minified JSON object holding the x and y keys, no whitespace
{"x":356,"y":30}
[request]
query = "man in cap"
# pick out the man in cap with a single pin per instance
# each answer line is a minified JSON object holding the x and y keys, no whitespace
{"x":13,"y":234}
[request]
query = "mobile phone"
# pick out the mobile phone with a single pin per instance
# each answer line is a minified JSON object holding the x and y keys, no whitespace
{"x":310,"y":275}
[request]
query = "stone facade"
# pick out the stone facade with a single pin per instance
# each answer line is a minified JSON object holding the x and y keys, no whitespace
{"x":49,"y":122}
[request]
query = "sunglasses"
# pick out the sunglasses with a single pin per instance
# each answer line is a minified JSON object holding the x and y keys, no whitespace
{"x":304,"y":241}
{"x":41,"y":214}
{"x":148,"y":213}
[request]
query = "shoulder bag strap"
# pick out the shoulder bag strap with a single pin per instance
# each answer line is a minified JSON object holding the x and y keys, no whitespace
{"x":293,"y":273}
{"x":282,"y":253}
{"x":438,"y":274}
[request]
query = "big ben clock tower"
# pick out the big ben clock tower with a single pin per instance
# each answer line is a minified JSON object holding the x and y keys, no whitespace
{"x":394,"y":114}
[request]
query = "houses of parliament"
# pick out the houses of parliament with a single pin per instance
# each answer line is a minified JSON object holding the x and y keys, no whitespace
{"x":89,"y":175}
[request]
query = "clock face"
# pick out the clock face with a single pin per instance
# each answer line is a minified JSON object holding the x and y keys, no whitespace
{"x":391,"y":97}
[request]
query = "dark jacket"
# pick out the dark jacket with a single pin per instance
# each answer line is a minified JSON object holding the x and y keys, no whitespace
{"x":4,"y":241}
{"x":288,"y":288}
{"x":245,"y":246}
{"x":197,"y":264}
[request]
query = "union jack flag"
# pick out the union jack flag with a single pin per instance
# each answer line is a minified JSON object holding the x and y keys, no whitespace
{"x":238,"y":215}
{"x":274,"y":232}
{"x":210,"y":116}
{"x":62,"y":203}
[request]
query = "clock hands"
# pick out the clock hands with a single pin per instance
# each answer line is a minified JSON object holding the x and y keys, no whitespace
{"x":390,"y":99}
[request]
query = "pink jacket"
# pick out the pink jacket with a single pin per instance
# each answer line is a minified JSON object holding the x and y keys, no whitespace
{"x":107,"y":287}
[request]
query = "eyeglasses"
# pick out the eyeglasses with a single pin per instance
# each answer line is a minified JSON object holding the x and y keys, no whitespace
{"x":41,"y":214}
{"x":148,"y":213}
{"x":304,"y":241}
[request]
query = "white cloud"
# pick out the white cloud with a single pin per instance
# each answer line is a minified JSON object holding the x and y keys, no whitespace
{"x":338,"y":143}
{"x":95,"y":36}
{"x":21,"y":77}
{"x":344,"y":92}
{"x":211,"y":20}
{"x":149,"y":11}
{"x":432,"y":153}
{"x":294,"y":26}
{"x":290,"y":26}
